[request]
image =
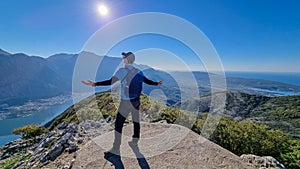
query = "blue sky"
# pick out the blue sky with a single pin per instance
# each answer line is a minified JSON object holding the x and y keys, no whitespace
{"x":249,"y":35}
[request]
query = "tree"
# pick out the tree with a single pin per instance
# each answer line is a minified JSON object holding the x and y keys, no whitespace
{"x":30,"y":131}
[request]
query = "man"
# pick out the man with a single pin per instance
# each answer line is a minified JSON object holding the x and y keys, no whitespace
{"x":131,"y":87}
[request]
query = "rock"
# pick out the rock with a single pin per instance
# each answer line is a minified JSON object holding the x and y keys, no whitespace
{"x":51,"y":133}
{"x":86,"y":125}
{"x":163,"y":122}
{"x":67,"y":166}
{"x":55,"y":152}
{"x":72,"y":128}
{"x":72,"y":162}
{"x":262,"y":162}
{"x":4,"y":156}
{"x":58,"y":164}
{"x":62,"y":126}
{"x":47,"y":142}
{"x":65,"y":138}
{"x":79,"y":140}
{"x":109,"y":119}
{"x":191,"y":151}
{"x":65,"y":141}
{"x":72,"y":148}
{"x":47,"y":139}
{"x":38,"y":150}
{"x":96,"y":124}
{"x":14,"y":148}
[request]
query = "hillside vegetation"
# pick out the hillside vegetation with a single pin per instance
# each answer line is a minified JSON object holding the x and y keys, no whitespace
{"x":282,"y":112}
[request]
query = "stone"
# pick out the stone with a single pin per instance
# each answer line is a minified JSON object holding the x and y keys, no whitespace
{"x":86,"y":125}
{"x":47,"y":142}
{"x":72,"y":147}
{"x":72,"y":128}
{"x":67,"y":166}
{"x":55,"y":152}
{"x":62,"y":126}
{"x":262,"y":162}
{"x":163,"y":122}
{"x":79,"y":140}
{"x":109,"y":119}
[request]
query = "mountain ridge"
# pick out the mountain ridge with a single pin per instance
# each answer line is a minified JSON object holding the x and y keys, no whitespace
{"x":61,"y":67}
{"x":3,"y":52}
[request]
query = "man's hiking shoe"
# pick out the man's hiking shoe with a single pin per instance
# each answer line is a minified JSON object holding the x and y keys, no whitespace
{"x":108,"y":154}
{"x":114,"y":159}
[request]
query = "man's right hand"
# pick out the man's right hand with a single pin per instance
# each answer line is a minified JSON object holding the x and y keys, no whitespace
{"x":89,"y":82}
{"x":159,"y":83}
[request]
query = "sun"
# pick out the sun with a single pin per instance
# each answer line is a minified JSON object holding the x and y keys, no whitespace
{"x":102,"y":9}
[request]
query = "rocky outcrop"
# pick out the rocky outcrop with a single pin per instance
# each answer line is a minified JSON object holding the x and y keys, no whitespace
{"x":265,"y":162}
{"x":52,"y":145}
{"x":19,"y":145}
{"x":164,"y":146}
{"x":64,"y":140}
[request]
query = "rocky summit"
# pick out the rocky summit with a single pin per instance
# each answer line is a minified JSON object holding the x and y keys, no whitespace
{"x":162,"y":145}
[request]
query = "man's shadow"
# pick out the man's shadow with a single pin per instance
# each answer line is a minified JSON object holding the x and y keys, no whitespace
{"x":118,"y":164}
{"x":140,"y":157}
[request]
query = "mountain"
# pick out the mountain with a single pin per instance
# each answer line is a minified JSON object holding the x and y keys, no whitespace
{"x":4,"y":53}
{"x":237,"y":105}
{"x":28,"y":77}
{"x":261,"y":87}
{"x":281,"y":112}
{"x":64,"y":64}
{"x":31,"y":77}
{"x":244,"y":85}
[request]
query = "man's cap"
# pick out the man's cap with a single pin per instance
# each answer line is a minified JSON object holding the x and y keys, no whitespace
{"x":129,"y":55}
{"x":126,"y":54}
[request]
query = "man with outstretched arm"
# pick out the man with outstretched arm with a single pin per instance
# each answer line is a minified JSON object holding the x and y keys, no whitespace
{"x":131,"y":87}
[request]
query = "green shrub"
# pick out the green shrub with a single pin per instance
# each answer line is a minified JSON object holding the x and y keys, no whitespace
{"x":30,"y":131}
{"x":291,"y":159}
{"x":250,"y":138}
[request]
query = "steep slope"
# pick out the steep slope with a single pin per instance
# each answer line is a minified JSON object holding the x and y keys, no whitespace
{"x":282,"y":112}
{"x":238,"y":105}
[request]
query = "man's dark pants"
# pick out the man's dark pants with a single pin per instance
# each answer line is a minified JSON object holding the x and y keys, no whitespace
{"x":125,"y":107}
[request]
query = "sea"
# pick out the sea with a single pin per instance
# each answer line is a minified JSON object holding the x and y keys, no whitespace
{"x":283,"y":77}
{"x":42,"y":117}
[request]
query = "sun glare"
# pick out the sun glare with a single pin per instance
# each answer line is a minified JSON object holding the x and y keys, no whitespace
{"x":102,"y":9}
